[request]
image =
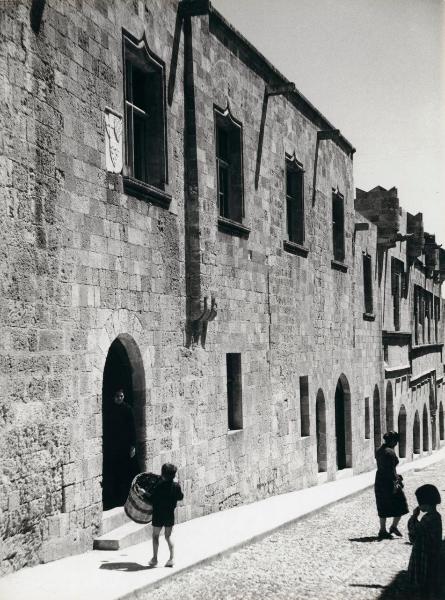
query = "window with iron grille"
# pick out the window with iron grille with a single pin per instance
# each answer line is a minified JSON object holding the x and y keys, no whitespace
{"x":338,"y":226}
{"x":295,"y":201}
{"x":367,"y":283}
{"x":229,"y":166}
{"x":145,"y":126}
{"x":234,"y":391}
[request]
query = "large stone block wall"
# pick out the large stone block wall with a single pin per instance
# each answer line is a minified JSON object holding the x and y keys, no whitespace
{"x":82,"y":263}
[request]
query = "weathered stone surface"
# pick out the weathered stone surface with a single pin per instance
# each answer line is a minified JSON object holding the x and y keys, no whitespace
{"x":82,"y":263}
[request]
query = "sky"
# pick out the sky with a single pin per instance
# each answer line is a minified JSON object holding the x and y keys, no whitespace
{"x":376,"y":70}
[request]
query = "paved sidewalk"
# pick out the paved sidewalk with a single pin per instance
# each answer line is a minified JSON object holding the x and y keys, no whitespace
{"x":112,"y":575}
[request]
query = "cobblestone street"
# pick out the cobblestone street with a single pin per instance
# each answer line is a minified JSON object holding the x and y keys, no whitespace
{"x":331,"y":555}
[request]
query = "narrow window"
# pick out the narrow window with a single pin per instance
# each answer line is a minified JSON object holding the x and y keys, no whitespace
{"x":338,"y":226}
{"x":145,"y":139}
{"x":234,"y":392}
{"x":229,"y":166}
{"x":304,"y":406}
{"x":295,"y":202}
{"x":367,"y":420}
{"x":397,"y":270}
{"x":367,"y":283}
{"x":436,"y":317}
{"x":416,"y":315}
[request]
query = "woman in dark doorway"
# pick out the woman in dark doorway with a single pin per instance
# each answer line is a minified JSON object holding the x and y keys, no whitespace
{"x":120,"y":462}
{"x":390,"y":499}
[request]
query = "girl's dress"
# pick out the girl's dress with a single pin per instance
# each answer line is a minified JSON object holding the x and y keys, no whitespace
{"x":424,"y":563}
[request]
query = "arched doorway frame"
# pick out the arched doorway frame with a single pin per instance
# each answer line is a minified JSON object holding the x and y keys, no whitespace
{"x":320,"y":428}
{"x":389,"y":411}
{"x":343,"y":424}
{"x":401,"y":427}
{"x":377,"y":418}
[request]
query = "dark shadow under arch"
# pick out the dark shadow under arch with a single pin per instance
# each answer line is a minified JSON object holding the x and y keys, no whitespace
{"x":425,"y":430}
{"x":343,"y":426}
{"x":401,"y":425}
{"x":122,"y":426}
{"x":377,"y":417}
{"x":389,"y":408}
{"x":416,"y":433}
{"x":441,"y":422}
{"x":320,"y":427}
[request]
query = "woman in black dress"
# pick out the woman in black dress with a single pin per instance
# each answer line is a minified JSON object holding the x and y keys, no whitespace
{"x":390,"y":499}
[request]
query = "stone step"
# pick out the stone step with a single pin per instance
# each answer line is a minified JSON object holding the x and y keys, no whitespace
{"x":126,"y":535}
{"x":113,"y":518}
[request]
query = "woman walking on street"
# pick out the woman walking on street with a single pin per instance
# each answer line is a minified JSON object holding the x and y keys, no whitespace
{"x":390,"y":499}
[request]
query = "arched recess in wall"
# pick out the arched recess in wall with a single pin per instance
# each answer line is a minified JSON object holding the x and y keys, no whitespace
{"x":320,"y":428}
{"x":122,"y":426}
{"x":416,"y":433}
{"x":389,"y":408}
{"x":377,"y":418}
{"x":433,"y":405}
{"x":441,"y":422}
{"x":401,"y":427}
{"x":425,"y":432}
{"x":343,"y":427}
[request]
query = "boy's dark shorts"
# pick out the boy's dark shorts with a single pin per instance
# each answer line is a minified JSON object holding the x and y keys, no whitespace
{"x":162,"y":522}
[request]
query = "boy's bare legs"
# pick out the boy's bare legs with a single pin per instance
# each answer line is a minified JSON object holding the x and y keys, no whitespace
{"x":171,"y":547}
{"x":155,"y":540}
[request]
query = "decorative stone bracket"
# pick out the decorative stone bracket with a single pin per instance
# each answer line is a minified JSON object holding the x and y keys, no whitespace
{"x":199,"y":325}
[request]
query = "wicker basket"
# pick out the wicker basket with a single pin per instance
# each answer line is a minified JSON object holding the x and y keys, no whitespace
{"x":137,"y":507}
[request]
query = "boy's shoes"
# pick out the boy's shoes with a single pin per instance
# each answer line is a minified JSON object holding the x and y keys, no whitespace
{"x":395,"y":531}
{"x":170,"y":563}
{"x":384,"y":535}
{"x":153,"y":562}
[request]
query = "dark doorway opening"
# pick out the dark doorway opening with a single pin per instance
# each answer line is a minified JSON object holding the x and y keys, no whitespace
{"x":389,"y":408}
{"x":401,"y":422}
{"x":123,"y":423}
{"x":377,"y":422}
{"x":416,"y":433}
{"x":343,"y":432}
{"x":426,"y":441}
{"x":320,"y":427}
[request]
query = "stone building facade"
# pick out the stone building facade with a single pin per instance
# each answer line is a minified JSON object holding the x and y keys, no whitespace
{"x":179,"y":220}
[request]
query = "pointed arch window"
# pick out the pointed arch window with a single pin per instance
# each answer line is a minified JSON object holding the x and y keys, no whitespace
{"x":145,"y":171}
{"x":229,"y":170}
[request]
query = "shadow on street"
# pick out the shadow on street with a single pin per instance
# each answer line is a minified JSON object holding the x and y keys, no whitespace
{"x":129,"y":567}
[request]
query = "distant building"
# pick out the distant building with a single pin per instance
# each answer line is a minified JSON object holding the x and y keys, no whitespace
{"x":180,"y":221}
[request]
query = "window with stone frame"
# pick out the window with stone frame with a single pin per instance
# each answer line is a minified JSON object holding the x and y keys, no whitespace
{"x":338,"y":226}
{"x":145,"y":114}
{"x":229,"y":166}
{"x":397,"y":289}
{"x":367,"y":420}
{"x":295,"y":200}
{"x":234,"y":392}
{"x":304,"y":407}
{"x":436,"y":318}
{"x":367,"y":284}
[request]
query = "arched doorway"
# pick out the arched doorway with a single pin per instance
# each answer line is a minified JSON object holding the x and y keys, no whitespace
{"x":343,"y":431}
{"x":441,"y":422}
{"x":320,"y":427}
{"x":389,"y":408}
{"x":426,"y":440}
{"x":401,"y":424}
{"x":123,"y":424}
{"x":433,"y":410}
{"x":377,"y":423}
{"x":416,"y":433}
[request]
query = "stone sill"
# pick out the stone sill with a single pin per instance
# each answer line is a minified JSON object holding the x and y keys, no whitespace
{"x":294,"y":248}
{"x":393,"y":372}
{"x":234,"y":431}
{"x":339,"y":266}
{"x":233,"y":227}
{"x":434,"y":347}
{"x":368,"y":316}
{"x":145,"y":191}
